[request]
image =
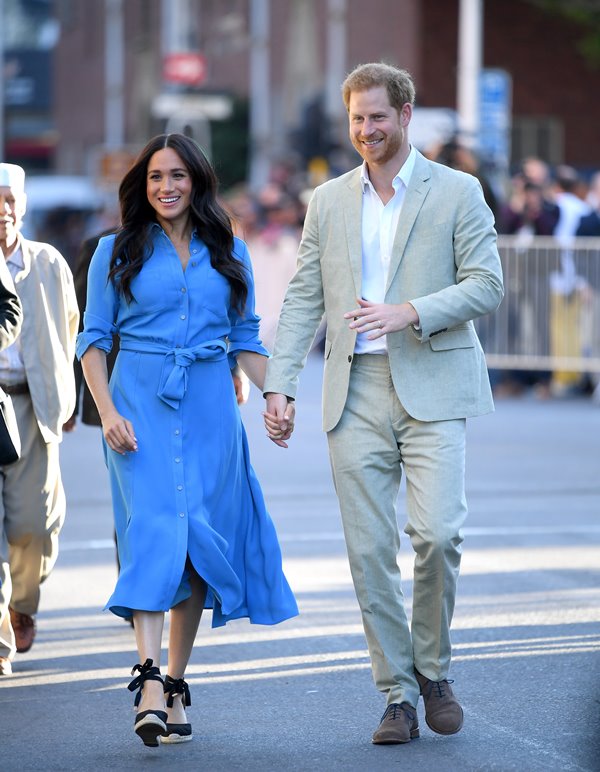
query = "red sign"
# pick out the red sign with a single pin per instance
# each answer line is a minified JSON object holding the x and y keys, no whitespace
{"x":186,"y":68}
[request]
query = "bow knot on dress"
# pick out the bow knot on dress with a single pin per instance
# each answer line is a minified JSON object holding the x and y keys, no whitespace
{"x":175,"y":384}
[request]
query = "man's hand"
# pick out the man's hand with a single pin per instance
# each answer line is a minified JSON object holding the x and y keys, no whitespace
{"x":380,"y":318}
{"x":279,"y":418}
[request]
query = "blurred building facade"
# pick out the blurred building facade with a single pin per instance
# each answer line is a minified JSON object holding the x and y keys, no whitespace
{"x":30,"y":36}
{"x":119,"y":71}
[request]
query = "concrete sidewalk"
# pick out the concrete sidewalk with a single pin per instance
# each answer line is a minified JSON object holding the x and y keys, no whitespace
{"x":299,"y":696}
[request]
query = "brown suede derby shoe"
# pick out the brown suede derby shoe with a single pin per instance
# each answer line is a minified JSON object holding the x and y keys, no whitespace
{"x":5,"y":666}
{"x":399,"y":724}
{"x":443,"y":713}
{"x":24,"y":628}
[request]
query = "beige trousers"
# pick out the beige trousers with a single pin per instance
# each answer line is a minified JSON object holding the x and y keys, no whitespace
{"x":32,"y":512}
{"x":373,"y":441}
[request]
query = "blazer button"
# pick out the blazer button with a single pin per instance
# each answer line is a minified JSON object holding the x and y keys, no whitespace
{"x":349,"y":358}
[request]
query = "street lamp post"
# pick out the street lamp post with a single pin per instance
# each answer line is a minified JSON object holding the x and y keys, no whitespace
{"x":336,"y":68}
{"x":260,"y":103}
{"x":179,"y":47}
{"x":114,"y":112}
{"x":470,"y":35}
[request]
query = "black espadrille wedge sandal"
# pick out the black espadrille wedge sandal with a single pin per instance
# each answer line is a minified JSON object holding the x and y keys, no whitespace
{"x":149,"y":724}
{"x":177,"y":733}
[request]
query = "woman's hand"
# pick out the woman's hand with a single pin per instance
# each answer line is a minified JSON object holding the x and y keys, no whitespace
{"x":380,"y":318}
{"x":118,"y":433}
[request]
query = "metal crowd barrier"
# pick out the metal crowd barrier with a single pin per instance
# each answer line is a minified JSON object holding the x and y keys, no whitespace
{"x":550,"y":316}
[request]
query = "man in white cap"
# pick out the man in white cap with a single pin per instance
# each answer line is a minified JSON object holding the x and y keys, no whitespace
{"x":37,"y":372}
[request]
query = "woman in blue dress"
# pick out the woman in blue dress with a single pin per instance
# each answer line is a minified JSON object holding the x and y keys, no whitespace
{"x":191,"y":524}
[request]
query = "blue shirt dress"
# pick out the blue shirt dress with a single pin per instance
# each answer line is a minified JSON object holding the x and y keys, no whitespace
{"x":189,"y":489}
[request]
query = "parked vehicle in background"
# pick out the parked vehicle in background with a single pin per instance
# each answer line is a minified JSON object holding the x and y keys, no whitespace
{"x":62,"y":210}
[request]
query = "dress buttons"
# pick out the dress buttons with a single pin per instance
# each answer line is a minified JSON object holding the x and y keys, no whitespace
{"x":182,"y":514}
{"x":182,"y":316}
{"x":194,"y":263}
{"x":183,"y":289}
{"x":177,"y":431}
{"x":180,"y":487}
{"x":349,"y":358}
{"x":177,"y":460}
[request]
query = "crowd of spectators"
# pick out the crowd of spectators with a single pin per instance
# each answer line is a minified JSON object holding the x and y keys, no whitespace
{"x":558,"y":290}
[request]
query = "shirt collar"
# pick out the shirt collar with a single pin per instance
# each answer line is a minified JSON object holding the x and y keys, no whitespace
{"x":154,"y":225}
{"x":16,"y":257}
{"x":404,"y":174}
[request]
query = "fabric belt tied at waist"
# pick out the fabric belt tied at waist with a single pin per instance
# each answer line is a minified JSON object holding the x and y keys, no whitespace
{"x":174,"y":377}
{"x":15,"y":388}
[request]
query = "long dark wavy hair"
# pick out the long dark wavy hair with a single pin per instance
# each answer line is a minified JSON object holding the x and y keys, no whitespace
{"x":133,"y":243}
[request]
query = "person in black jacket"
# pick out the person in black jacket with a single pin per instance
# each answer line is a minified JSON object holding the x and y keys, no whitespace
{"x":11,"y":313}
{"x":84,"y":402}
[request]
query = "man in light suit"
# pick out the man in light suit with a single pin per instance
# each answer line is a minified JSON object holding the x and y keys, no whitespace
{"x":37,"y":372}
{"x":400,"y":255}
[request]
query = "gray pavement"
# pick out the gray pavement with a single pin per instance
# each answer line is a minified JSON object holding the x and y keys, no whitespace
{"x":299,"y":696}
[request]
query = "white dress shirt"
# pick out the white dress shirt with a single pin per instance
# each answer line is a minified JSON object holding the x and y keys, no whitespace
{"x":12,"y":369}
{"x":379,"y":225}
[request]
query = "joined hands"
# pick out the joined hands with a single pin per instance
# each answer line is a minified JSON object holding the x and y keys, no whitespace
{"x":279,"y":418}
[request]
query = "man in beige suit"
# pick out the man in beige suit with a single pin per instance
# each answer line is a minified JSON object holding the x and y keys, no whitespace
{"x":37,"y":371}
{"x":400,"y":255}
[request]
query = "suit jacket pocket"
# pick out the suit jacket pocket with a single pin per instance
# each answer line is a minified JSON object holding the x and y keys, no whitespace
{"x":459,"y":337}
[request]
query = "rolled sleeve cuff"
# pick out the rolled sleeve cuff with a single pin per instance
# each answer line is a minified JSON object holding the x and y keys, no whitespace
{"x":237,"y":346}
{"x":95,"y":335}
{"x":87,"y":339}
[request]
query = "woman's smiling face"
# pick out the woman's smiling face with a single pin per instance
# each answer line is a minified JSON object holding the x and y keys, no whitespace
{"x":168,"y":186}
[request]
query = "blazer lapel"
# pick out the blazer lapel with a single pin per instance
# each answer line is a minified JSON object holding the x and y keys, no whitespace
{"x":25,"y":252}
{"x":351,"y":206}
{"x":414,"y":198}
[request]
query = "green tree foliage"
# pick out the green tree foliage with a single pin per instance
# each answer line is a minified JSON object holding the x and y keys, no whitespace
{"x":586,"y":15}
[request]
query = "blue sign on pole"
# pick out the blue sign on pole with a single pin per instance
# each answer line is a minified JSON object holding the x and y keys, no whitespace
{"x":495,"y":98}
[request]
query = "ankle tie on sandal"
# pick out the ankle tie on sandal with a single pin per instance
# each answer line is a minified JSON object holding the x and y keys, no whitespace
{"x":177,"y":686}
{"x":147,"y":672}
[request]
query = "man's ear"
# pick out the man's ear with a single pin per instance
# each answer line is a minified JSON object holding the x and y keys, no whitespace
{"x":406,"y":114}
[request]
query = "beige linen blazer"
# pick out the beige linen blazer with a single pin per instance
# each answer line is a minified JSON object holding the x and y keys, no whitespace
{"x":444,"y":261}
{"x":50,"y":323}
